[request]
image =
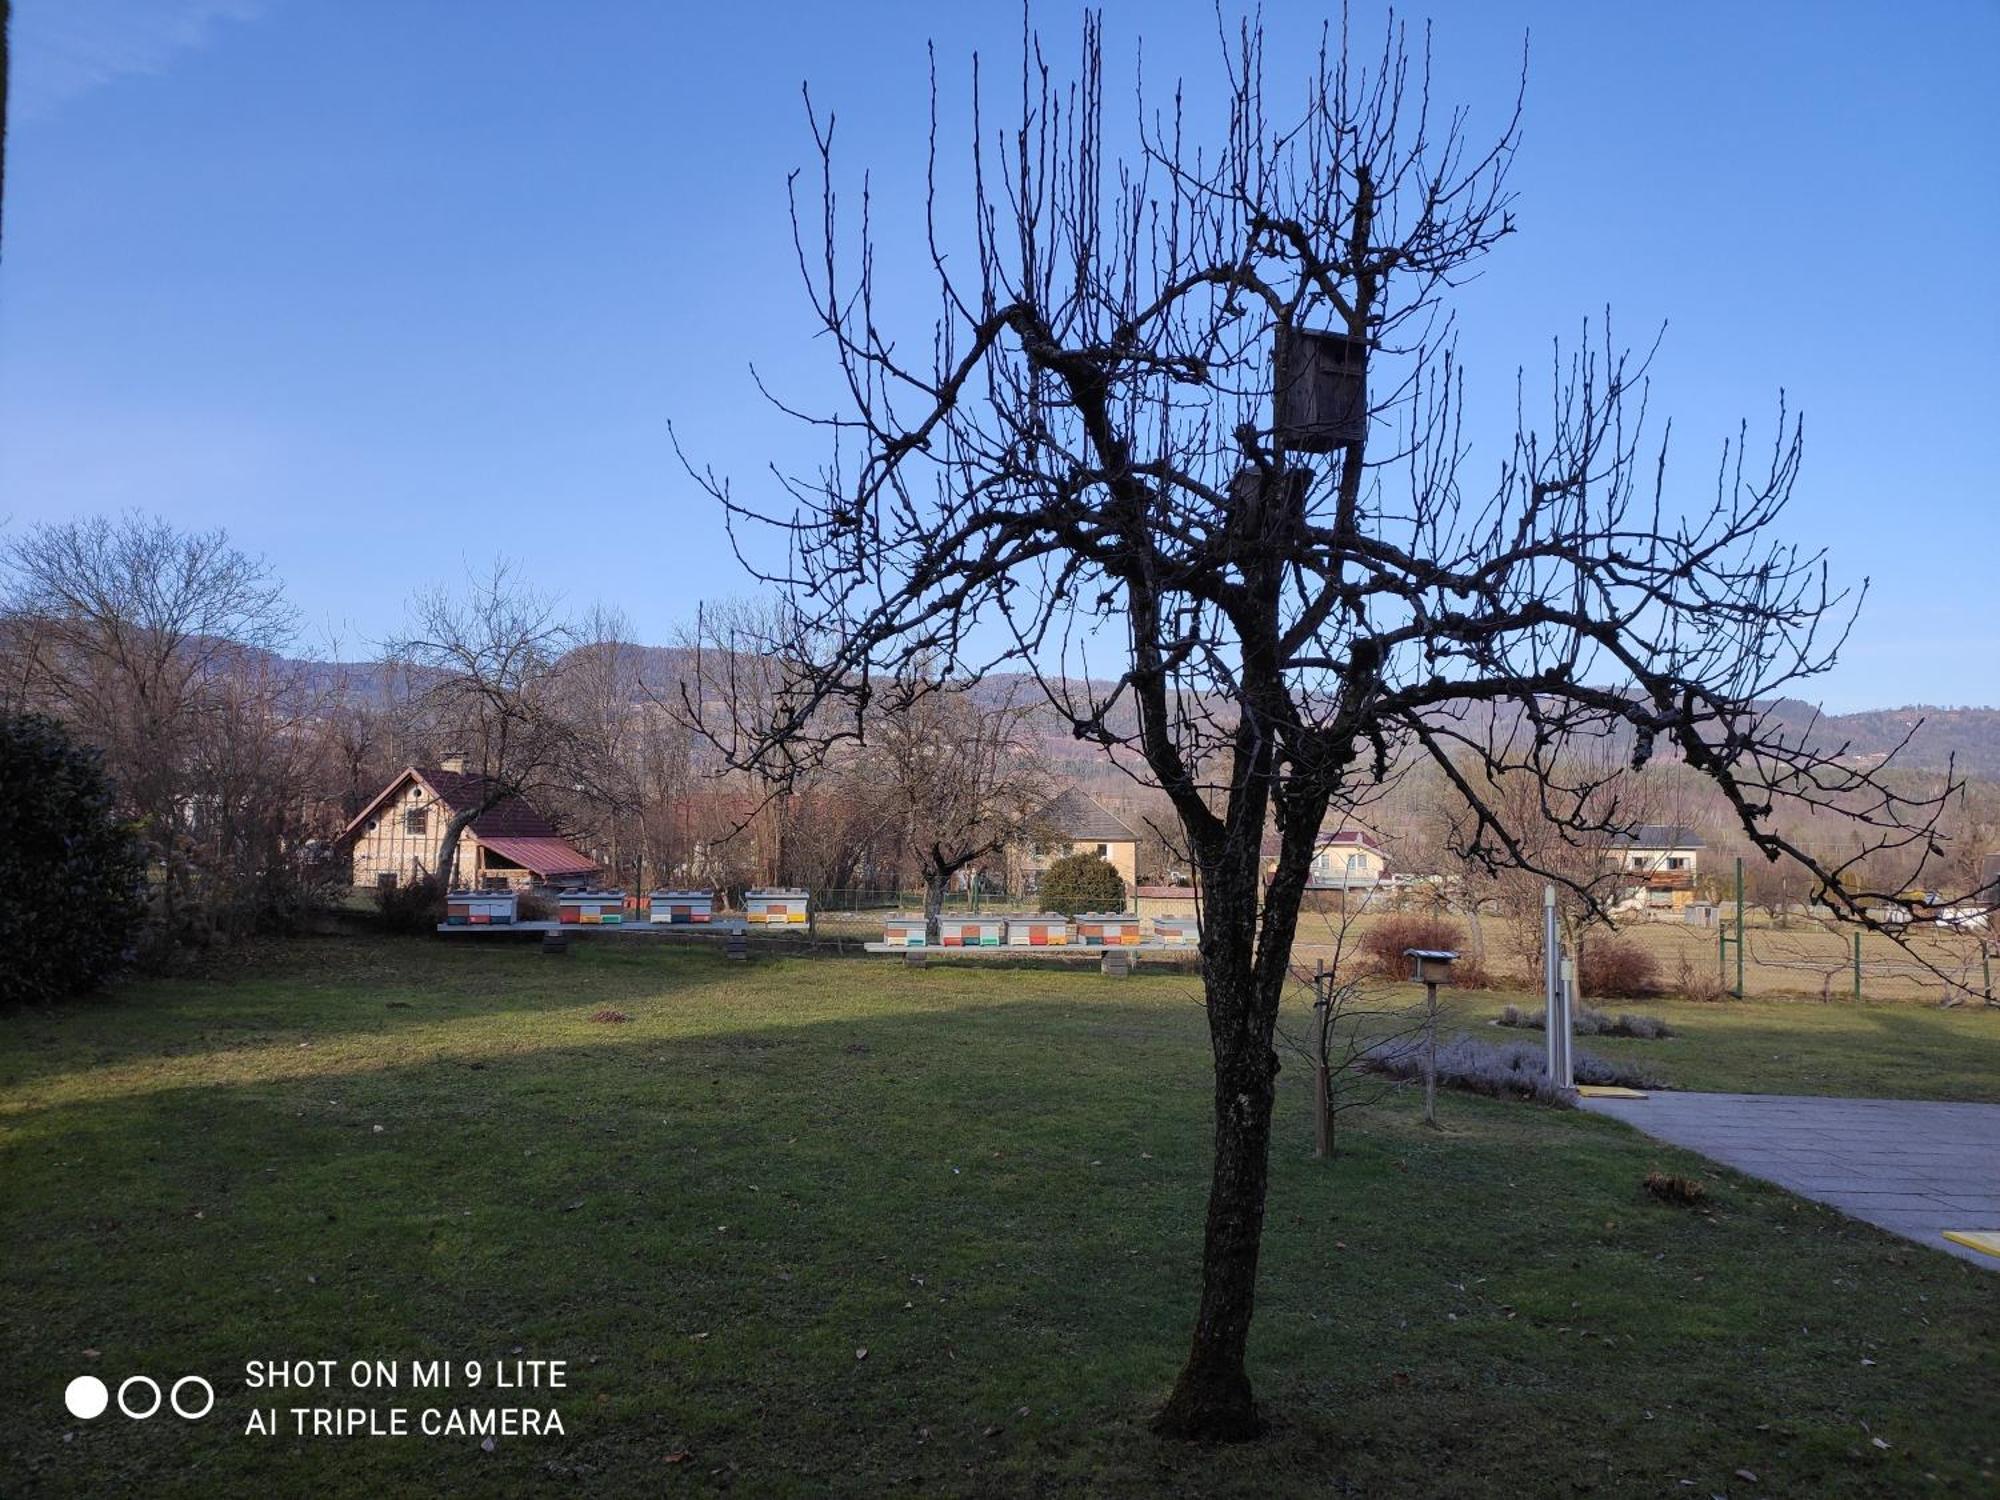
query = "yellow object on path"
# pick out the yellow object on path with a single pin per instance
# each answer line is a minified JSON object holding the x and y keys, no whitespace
{"x":1987,"y":1240}
{"x":1607,"y":1091}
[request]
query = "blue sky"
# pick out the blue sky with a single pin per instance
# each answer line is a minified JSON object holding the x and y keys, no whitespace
{"x":387,"y":287}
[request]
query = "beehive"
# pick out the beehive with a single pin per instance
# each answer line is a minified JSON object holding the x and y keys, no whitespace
{"x":1106,"y":929}
{"x":1176,"y":932}
{"x":1043,"y":930}
{"x":591,"y":908}
{"x":971,"y":932}
{"x":479,"y":909}
{"x":903,"y":932}
{"x":778,"y":905}
{"x":678,"y":908}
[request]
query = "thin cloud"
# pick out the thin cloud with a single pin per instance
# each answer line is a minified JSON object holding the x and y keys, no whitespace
{"x":67,"y":48}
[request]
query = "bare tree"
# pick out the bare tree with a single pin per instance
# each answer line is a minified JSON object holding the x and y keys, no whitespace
{"x":162,"y":648}
{"x":961,"y":777}
{"x":1085,"y":456}
{"x":482,"y":674}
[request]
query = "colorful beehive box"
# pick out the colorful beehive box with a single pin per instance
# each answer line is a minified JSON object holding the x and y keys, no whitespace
{"x":1107,"y":929}
{"x":778,"y":906}
{"x":1176,"y":932}
{"x":972,"y":932}
{"x":678,"y":908}
{"x":591,"y":908}
{"x":903,"y":932}
{"x":479,"y":909}
{"x":1043,"y":930}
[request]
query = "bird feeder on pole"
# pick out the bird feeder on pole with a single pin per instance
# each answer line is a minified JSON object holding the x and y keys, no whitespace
{"x":1431,"y":967}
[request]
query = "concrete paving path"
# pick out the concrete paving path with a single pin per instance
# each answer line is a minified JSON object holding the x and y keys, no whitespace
{"x":1914,"y":1168}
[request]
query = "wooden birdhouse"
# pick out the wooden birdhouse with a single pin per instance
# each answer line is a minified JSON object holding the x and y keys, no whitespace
{"x":1433,"y":965}
{"x":1321,"y":382}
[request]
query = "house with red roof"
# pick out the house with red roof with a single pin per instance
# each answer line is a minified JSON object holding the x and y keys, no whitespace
{"x":395,"y":838}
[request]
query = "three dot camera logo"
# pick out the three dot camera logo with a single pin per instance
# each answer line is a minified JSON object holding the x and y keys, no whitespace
{"x":140,"y":1397}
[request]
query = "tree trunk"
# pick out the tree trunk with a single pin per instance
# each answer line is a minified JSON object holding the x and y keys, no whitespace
{"x":934,"y":883}
{"x":447,"y":865}
{"x":1212,"y":1400}
{"x":1245,"y":955}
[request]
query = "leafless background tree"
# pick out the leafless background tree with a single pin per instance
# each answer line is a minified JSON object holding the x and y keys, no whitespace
{"x":162,"y":648}
{"x":484,"y":674}
{"x":1082,"y":461}
{"x":962,"y":779}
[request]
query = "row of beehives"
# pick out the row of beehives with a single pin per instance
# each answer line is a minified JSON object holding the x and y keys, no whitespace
{"x":1091,"y":929}
{"x":777,"y":906}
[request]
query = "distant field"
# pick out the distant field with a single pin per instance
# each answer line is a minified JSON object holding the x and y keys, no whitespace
{"x":989,"y":1180}
{"x":1803,"y":960}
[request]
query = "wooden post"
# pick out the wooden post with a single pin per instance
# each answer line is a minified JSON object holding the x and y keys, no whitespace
{"x":1430,"y":1052}
{"x":1739,"y":927}
{"x":1322,"y":1069}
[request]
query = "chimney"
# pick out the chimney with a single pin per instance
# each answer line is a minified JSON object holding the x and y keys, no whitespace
{"x":453,"y":760}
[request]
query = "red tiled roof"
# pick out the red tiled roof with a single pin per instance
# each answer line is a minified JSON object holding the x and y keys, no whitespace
{"x":549,"y":856}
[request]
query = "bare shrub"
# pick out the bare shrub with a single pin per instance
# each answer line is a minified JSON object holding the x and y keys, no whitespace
{"x":534,"y":906}
{"x":1645,"y":1028}
{"x":1501,"y":1070}
{"x":1617,"y":968}
{"x":412,"y":906}
{"x":1684,"y":1191}
{"x":1383,"y":946}
{"x":1697,"y":984}
{"x":1588,"y":1022}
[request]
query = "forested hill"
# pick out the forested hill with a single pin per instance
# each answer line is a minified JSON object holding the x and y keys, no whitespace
{"x":1972,"y":735}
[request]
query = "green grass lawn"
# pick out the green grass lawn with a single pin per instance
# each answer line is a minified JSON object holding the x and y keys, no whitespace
{"x":1892,"y":1051}
{"x":989,"y":1180}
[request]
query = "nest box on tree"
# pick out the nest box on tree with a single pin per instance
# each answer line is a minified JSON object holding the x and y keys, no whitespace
{"x":1321,"y":382}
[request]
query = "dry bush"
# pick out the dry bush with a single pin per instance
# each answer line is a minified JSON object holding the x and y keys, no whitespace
{"x":609,"y":1016}
{"x":411,"y":905}
{"x":534,"y":906}
{"x":1588,"y":1022}
{"x":1502,"y":1070}
{"x":1684,"y":1191}
{"x":1384,"y":943}
{"x":1695,"y":982}
{"x":1617,"y":968}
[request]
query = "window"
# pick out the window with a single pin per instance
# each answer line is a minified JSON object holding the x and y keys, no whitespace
{"x":417,"y":820}
{"x":1676,"y":864}
{"x":1104,"y":851}
{"x":496,"y":883}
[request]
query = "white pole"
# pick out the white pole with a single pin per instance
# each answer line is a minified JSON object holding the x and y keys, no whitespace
{"x":1566,"y":1079}
{"x":1551,"y":982}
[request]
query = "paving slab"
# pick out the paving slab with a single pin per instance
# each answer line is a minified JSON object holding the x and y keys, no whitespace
{"x":1908,"y":1166}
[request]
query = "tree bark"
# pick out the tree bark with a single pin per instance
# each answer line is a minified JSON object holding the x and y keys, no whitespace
{"x":447,"y":865}
{"x":1212,"y":1399}
{"x":934,"y":883}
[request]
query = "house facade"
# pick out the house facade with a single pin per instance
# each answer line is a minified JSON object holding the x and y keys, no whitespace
{"x":1344,"y":859}
{"x":1073,"y":823}
{"x":395,"y":838}
{"x":1658,"y":863}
